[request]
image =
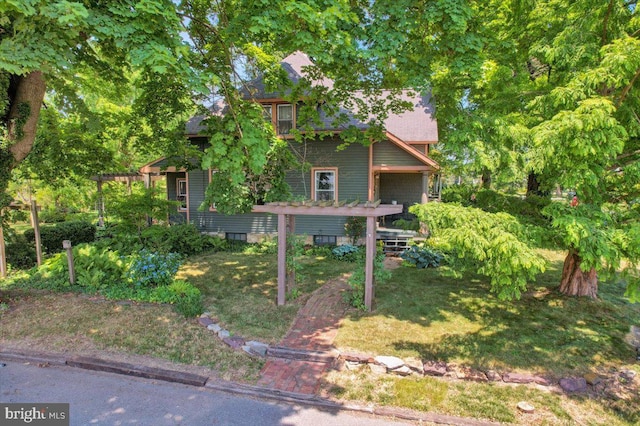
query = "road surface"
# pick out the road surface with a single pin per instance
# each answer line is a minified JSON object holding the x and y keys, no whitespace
{"x":98,"y":398}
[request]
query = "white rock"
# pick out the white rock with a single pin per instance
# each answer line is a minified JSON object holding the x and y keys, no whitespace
{"x":391,"y":362}
{"x":258,"y":348}
{"x":223,"y":334}
{"x":214,"y":327}
{"x":377,"y":369}
{"x":525,"y":407}
{"x":402,"y":371}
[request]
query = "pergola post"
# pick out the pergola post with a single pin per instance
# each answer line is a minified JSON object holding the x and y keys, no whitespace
{"x":370,"y":258}
{"x":36,"y":231}
{"x":3,"y":255}
{"x":100,"y":204}
{"x":282,"y":258}
{"x":291,"y":272}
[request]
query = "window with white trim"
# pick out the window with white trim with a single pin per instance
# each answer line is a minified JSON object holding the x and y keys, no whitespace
{"x":212,"y":206}
{"x":284,"y":119}
{"x":325,"y":184}
{"x":266,"y":112}
{"x":181,"y":193}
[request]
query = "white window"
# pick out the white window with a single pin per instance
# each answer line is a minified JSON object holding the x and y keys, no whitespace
{"x":266,"y":113}
{"x":212,"y":206}
{"x":181,"y":193}
{"x":285,"y":119}
{"x":325,"y":184}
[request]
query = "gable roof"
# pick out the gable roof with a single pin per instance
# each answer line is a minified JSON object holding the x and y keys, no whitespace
{"x":416,"y":125}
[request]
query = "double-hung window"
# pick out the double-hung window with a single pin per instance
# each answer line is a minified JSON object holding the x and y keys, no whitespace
{"x":181,"y":193}
{"x":267,"y":112}
{"x":284,"y":119}
{"x":325,"y":184}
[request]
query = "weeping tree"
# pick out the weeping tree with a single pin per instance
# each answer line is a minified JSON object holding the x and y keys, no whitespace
{"x":549,"y":89}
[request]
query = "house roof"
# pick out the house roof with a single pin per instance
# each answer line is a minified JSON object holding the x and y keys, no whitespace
{"x":416,"y":125}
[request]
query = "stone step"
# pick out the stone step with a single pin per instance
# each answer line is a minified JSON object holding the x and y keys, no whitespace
{"x":301,"y":354}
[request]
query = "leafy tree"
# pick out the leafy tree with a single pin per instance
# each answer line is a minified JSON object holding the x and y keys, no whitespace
{"x":549,"y":88}
{"x":49,"y":44}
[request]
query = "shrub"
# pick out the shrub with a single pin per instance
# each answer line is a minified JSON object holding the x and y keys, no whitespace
{"x":52,"y":236}
{"x":347,"y":253}
{"x":356,"y":282}
{"x":185,"y":239}
{"x":97,"y":268}
{"x":422,"y":257}
{"x":149,"y":269}
{"x":51,"y":215}
{"x":354,"y":227}
{"x":21,"y":254}
{"x":458,"y":194}
{"x":188,"y":299}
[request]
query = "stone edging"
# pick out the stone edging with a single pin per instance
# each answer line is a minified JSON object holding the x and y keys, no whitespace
{"x":614,"y":383}
{"x":251,"y":347}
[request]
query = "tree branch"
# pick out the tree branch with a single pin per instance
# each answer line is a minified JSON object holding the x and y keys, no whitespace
{"x":628,"y":87}
{"x":606,"y":23}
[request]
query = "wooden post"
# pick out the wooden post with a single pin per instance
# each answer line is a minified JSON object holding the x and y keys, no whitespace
{"x":36,"y":231}
{"x":282,"y":258}
{"x":66,"y":244}
{"x":3,"y":254}
{"x":369,"y":261}
{"x":291,"y":272}
{"x":100,"y":203}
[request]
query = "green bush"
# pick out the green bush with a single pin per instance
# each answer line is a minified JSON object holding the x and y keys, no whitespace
{"x":21,"y":254}
{"x":52,"y":236}
{"x":149,"y":269}
{"x":355,"y":297}
{"x":458,"y":194}
{"x":51,"y":215}
{"x":347,"y":253}
{"x":97,"y":268}
{"x":354,"y":227}
{"x":422,"y":257}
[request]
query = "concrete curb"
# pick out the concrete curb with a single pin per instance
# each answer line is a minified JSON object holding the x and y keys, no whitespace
{"x":98,"y":364}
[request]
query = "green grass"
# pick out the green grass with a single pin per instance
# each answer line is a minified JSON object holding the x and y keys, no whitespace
{"x":430,"y":315}
{"x":240,"y":290}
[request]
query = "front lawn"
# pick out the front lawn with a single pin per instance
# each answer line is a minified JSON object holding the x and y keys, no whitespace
{"x":239,"y":288}
{"x":429,"y":315}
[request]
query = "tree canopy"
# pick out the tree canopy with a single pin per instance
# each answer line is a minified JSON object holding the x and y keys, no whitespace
{"x":547,"y":89}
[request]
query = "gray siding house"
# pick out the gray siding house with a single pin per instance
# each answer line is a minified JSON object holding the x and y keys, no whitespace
{"x":397,"y":170}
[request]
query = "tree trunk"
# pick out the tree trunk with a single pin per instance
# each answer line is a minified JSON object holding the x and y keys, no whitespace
{"x":486,"y":178}
{"x":23,"y":114}
{"x":533,"y":186}
{"x":576,"y":282}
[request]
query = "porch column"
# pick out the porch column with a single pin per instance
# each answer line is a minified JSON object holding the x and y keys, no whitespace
{"x":282,"y":258}
{"x":369,"y":262}
{"x":425,"y":187}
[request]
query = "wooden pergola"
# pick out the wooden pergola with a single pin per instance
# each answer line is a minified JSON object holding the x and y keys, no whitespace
{"x":287,"y":211}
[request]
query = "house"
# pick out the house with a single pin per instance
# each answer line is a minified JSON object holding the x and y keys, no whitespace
{"x":397,"y":170}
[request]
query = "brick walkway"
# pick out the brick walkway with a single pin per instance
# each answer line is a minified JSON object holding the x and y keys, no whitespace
{"x":311,"y":336}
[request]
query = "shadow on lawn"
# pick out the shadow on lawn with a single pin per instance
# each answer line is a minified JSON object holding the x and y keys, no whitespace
{"x":461,"y":321}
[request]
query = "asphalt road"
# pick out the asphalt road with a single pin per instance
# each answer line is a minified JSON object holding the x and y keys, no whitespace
{"x":98,"y":398}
